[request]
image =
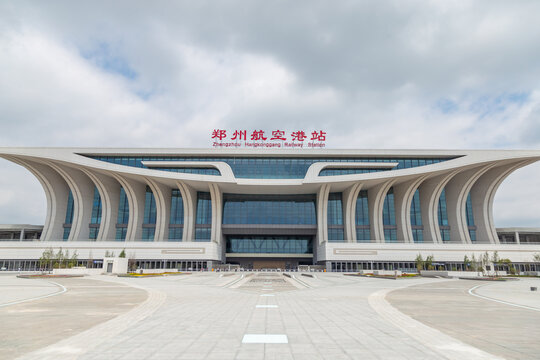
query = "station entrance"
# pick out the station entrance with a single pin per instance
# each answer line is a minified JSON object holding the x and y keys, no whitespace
{"x":258,"y":252}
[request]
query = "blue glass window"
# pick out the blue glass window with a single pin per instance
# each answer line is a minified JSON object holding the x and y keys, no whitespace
{"x":335,"y":209}
{"x":203,"y":220}
{"x":443,"y":217}
{"x":416,"y":218}
{"x":96,"y":215}
{"x":362,"y":217}
{"x":123,"y":216}
{"x":150,"y":213}
{"x":348,"y":171}
{"x":269,"y":209}
{"x":470,"y":218}
{"x":335,"y":218}
{"x":268,"y":167}
{"x":418,"y":235}
{"x":362,"y":208}
{"x":269,"y":245}
{"x":389,"y":217}
{"x":199,"y":171}
{"x":69,"y":216}
{"x":177,"y":216}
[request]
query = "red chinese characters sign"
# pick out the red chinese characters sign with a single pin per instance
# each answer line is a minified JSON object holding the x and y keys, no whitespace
{"x":275,"y":138}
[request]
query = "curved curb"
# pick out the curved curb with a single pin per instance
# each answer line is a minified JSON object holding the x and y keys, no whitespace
{"x":77,"y":345}
{"x":444,"y":345}
{"x":473,"y":293}
{"x":63,"y":290}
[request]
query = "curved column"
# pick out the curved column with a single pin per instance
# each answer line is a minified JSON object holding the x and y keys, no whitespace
{"x":430,"y":192}
{"x":456,"y":198}
{"x":162,"y":194}
{"x":349,"y":211}
{"x":322,"y":213}
{"x":376,"y":196}
{"x":403,"y":195}
{"x":482,"y":196}
{"x":136,"y":194}
{"x":217,"y":209}
{"x":189,"y":198}
{"x":82,"y":189}
{"x":56,"y":192}
{"x":109,"y":191}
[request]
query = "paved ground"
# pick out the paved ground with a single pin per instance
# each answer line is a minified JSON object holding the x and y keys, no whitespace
{"x":13,"y":289}
{"x":267,"y":316}
{"x":515,"y":292}
{"x":500,"y":329}
{"x":35,"y":324}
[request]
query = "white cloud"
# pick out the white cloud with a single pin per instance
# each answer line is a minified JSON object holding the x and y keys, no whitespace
{"x":372,"y":74}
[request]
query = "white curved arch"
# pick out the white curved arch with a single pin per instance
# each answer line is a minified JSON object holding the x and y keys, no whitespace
{"x":482,"y":196}
{"x":403,"y":196}
{"x":162,"y":195}
{"x":56,"y":193}
{"x":109,"y":191}
{"x":217,"y":210}
{"x":430,"y":192}
{"x":322,"y":213}
{"x":315,"y":169}
{"x":376,"y":196}
{"x":457,"y":190}
{"x":224,"y":169}
{"x":136,"y":194}
{"x":349,"y":211}
{"x":82,"y":189}
{"x":189,"y":198}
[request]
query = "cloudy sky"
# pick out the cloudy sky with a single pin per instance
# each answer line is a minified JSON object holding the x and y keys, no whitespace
{"x":373,"y":74}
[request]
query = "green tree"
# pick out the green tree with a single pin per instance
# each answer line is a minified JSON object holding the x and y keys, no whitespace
{"x":507,"y":264}
{"x":496,"y":262}
{"x":466,"y":263}
{"x":419,"y":261}
{"x":485,"y":263}
{"x":122,"y":254}
{"x":46,"y":258}
{"x":58,"y":259}
{"x":429,"y":262}
{"x":73,"y":260}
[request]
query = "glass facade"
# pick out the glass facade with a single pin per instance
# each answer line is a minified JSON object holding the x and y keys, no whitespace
{"x":69,"y":216}
{"x":176,"y":225}
{"x":443,"y":218}
{"x":335,"y":218}
{"x":269,"y":209}
{"x":362,"y":217}
{"x":269,"y":244}
{"x":199,"y":171}
{"x":149,"y":222}
{"x":96,"y":216}
{"x":269,"y":167}
{"x":203,"y":220}
{"x":389,"y":217}
{"x":347,"y":171}
{"x":470,"y":218}
{"x":416,"y":219}
{"x":123,"y":216}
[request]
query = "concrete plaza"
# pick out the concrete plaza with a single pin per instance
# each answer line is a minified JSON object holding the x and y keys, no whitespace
{"x":267,"y":316}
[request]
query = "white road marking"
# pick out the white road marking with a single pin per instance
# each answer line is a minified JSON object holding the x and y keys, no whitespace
{"x":471,"y":292}
{"x":265,"y":339}
{"x":267,"y":306}
{"x":39,"y":297}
